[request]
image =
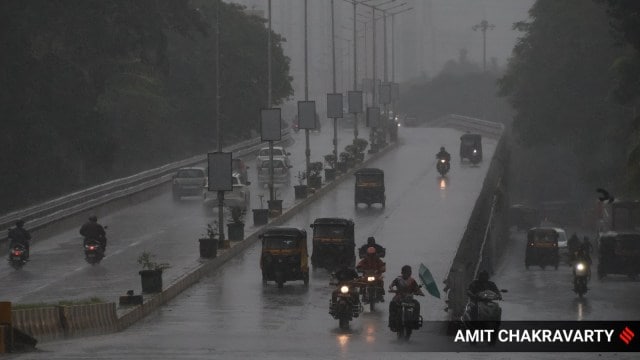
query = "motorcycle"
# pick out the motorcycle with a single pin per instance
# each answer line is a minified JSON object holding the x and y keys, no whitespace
{"x":475,"y":157}
{"x":346,"y":305}
{"x":408,"y":319}
{"x":93,"y":251}
{"x":18,"y":256}
{"x":443,"y":166}
{"x":581,"y":275}
{"x":372,"y":292}
{"x":484,"y":313}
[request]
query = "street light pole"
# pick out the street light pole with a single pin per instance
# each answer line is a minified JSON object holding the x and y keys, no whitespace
{"x":355,"y":67}
{"x":271,"y":192}
{"x":219,"y":127}
{"x":484,"y":26}
{"x":333,"y":62}
{"x":307,"y":151}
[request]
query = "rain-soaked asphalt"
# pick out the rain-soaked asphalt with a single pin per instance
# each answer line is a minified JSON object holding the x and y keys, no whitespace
{"x":231,"y":315}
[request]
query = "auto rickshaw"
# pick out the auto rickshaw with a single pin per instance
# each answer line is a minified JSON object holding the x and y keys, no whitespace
{"x":370,"y":187}
{"x":619,"y":253}
{"x":333,"y":243}
{"x":471,"y":148}
{"x":284,"y":255}
{"x":542,"y":248}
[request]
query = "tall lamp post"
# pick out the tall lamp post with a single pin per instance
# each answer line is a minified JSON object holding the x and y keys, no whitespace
{"x":219,"y":128}
{"x":484,"y":26}
{"x":271,"y":192}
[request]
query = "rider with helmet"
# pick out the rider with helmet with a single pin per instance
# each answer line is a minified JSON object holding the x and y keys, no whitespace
{"x":93,"y":230}
{"x":405,"y":285}
{"x":373,"y":265}
{"x":482,"y":283}
{"x":371,"y":241}
{"x":443,"y":154}
{"x":19,"y":236}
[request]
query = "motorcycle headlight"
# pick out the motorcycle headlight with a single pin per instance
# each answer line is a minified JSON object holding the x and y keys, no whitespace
{"x":344,"y":289}
{"x":442,"y":161}
{"x":580,"y":267}
{"x":371,"y":278}
{"x":475,"y":151}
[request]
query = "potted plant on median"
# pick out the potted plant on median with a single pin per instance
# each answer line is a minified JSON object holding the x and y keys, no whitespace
{"x":235,"y":229}
{"x":346,"y":161}
{"x":209,"y":243}
{"x":330,"y":172}
{"x":300,"y":190}
{"x":151,"y":273}
{"x":315,"y":179}
{"x":260,"y":216}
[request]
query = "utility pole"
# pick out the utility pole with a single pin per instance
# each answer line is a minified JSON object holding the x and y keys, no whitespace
{"x":271,"y":192}
{"x":307,"y":151}
{"x":219,"y":127}
{"x":484,"y":26}
{"x":333,"y":67}
{"x":355,"y":67}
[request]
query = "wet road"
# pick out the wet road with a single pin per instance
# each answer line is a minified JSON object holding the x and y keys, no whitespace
{"x":58,"y":271}
{"x":231,"y":315}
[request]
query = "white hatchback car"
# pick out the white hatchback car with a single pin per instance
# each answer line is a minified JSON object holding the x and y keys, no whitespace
{"x":240,"y":197}
{"x":278,"y":152}
{"x":562,"y":239}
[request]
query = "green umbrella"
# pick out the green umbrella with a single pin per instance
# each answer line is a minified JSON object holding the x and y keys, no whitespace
{"x":427,"y":280}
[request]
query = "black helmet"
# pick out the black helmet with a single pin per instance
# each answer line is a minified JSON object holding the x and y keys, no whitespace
{"x":406,"y":270}
{"x":93,"y":218}
{"x":441,"y":148}
{"x":20,"y":223}
{"x":483,"y":275}
{"x":371,"y":240}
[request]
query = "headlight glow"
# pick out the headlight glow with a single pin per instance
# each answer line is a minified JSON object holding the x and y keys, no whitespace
{"x":371,"y":278}
{"x":344,"y":289}
{"x":475,"y":151}
{"x":580,"y":266}
{"x":442,"y":161}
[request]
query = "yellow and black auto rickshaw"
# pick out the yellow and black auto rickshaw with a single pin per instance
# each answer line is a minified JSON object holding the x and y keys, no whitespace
{"x":333,"y":243}
{"x":284,"y":255}
{"x":542,"y":248}
{"x":370,"y":187}
{"x":619,"y":253}
{"x":471,"y":148}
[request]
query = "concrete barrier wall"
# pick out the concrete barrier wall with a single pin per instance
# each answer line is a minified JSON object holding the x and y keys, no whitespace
{"x":56,"y":322}
{"x":41,"y":323}
{"x":485,"y":233}
{"x":193,"y":275}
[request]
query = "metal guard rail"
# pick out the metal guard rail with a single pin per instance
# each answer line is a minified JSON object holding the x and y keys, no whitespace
{"x":64,"y":206}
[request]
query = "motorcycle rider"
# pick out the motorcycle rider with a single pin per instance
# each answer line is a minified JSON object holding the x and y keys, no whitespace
{"x":20,"y":235}
{"x":572,"y":245}
{"x":93,"y":230}
{"x":371,"y":241}
{"x":344,"y":276}
{"x":443,"y":154}
{"x":586,"y":245}
{"x":405,"y":285}
{"x":372,"y":263}
{"x":478,"y":285}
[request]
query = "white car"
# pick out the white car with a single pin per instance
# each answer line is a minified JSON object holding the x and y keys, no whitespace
{"x":240,"y":197}
{"x":562,"y":239}
{"x":278,"y":152}
{"x":281,"y":171}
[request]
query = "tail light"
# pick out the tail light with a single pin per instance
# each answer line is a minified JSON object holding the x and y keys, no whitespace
{"x":17,"y":252}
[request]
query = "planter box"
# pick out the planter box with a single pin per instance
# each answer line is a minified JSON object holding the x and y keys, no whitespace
{"x":342,"y":166}
{"x":151,"y":281}
{"x":373,"y":149}
{"x":235,"y":231}
{"x":329,"y":174}
{"x":314,"y":182}
{"x":208,"y":248}
{"x":260,"y":216}
{"x":300,"y":191}
{"x":275,"y":207}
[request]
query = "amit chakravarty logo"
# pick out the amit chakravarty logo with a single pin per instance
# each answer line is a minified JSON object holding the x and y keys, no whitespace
{"x":626,"y":335}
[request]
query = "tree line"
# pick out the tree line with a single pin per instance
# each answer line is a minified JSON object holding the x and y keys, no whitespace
{"x":98,"y":89}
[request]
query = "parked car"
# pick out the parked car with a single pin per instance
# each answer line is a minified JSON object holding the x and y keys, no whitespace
{"x":188,"y":181}
{"x":240,"y":197}
{"x":281,"y":171}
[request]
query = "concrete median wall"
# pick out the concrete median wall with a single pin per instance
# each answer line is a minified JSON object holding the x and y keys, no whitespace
{"x":485,"y":234}
{"x":55,"y":322}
